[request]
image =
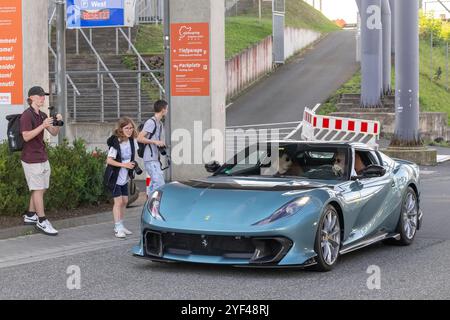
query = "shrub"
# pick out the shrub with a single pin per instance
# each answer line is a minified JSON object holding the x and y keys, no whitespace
{"x":76,"y":178}
{"x":430,"y":26}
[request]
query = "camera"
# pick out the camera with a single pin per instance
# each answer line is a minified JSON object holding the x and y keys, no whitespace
{"x":56,"y":122}
{"x":162,"y":151}
{"x":137,"y":169}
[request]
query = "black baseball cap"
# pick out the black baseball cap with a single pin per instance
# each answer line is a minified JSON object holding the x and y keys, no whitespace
{"x":37,"y":91}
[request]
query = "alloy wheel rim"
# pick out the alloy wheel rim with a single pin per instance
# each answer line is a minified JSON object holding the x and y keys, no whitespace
{"x":330,"y":240}
{"x":410,"y":215}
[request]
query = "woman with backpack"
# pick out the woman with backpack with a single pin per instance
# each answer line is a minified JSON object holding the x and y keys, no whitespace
{"x":120,"y":169}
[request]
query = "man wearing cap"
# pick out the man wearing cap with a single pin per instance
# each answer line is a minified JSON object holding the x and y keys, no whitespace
{"x":35,"y":159}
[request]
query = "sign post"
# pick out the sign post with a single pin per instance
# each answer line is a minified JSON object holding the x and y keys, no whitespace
{"x":60,"y":77}
{"x":190,"y":59}
{"x":197,"y":85}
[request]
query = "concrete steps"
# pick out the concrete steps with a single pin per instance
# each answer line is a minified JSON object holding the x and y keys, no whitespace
{"x":352,"y":102}
{"x":103,"y":39}
{"x":89,"y":103}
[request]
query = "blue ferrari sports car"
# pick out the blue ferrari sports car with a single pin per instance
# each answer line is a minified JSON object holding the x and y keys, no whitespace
{"x":284,"y":204}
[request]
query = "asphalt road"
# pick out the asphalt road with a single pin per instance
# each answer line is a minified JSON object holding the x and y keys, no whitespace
{"x":108,"y":271}
{"x":309,"y":79}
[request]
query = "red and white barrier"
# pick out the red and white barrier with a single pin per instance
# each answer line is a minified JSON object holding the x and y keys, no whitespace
{"x":326,"y":128}
{"x":147,"y":183}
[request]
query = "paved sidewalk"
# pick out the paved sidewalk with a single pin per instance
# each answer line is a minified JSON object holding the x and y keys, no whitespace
{"x":38,"y":247}
{"x":101,"y":217}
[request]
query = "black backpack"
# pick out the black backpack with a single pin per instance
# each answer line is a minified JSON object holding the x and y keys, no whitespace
{"x":15,"y":138}
{"x":142,"y":146}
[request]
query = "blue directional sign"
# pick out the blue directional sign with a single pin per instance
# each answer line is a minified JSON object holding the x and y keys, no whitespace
{"x":95,"y":13}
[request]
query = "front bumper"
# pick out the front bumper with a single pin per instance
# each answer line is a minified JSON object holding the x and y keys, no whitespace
{"x":238,"y":250}
{"x":252,"y":250}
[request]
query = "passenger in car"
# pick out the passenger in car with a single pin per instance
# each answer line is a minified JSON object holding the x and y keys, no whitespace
{"x":289,"y":165}
{"x":359,"y":164}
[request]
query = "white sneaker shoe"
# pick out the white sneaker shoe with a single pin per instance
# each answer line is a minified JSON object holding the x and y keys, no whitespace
{"x":30,"y":220}
{"x":126,"y":231}
{"x":120,"y":234}
{"x":46,"y":227}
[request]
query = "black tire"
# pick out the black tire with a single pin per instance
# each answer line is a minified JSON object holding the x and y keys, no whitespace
{"x":405,"y":239}
{"x":324,"y":264}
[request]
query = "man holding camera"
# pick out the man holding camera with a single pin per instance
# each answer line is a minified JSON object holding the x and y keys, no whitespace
{"x":152,"y":135}
{"x":34,"y":157}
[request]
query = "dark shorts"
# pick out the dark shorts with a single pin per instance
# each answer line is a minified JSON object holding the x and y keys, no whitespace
{"x":120,"y":191}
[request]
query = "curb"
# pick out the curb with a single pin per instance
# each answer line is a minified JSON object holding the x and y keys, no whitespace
{"x":96,"y":218}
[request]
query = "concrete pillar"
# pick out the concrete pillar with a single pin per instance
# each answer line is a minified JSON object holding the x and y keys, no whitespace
{"x":34,"y":56}
{"x":392,"y":6}
{"x":358,"y":39}
{"x":386,"y":47}
{"x":371,"y":53}
{"x":278,"y":16}
{"x":407,"y":73}
{"x":194,"y":113}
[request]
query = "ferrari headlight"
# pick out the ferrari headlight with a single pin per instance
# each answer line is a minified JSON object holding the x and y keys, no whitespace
{"x":153,"y":205}
{"x":287,"y":210}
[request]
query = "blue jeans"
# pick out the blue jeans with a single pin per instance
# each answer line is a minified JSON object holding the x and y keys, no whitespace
{"x":153,"y":169}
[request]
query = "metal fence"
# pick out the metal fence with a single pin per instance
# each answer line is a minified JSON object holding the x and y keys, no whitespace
{"x":150,"y":11}
{"x":435,"y":60}
{"x":256,"y":8}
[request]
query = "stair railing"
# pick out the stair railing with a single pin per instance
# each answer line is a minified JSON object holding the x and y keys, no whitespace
{"x":100,"y":80}
{"x":141,"y":62}
{"x":76,"y":92}
{"x":50,"y":22}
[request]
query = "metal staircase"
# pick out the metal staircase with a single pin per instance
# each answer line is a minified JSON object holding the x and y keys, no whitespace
{"x":100,"y":86}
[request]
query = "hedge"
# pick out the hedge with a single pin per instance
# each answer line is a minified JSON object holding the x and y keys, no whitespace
{"x":76,"y":178}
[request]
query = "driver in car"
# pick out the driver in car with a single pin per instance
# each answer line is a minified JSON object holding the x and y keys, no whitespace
{"x":359,"y":164}
{"x":339,"y":164}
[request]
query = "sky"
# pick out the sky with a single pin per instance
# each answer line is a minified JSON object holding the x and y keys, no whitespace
{"x":338,"y":9}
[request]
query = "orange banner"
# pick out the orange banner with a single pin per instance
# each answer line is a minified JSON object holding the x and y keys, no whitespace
{"x":11,"y":77}
{"x":189,"y":59}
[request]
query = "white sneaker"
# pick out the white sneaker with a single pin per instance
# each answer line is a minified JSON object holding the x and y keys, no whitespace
{"x":30,"y":220}
{"x":46,"y":227}
{"x":126,"y":231}
{"x":120,"y":234}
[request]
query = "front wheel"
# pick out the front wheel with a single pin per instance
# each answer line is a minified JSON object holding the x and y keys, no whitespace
{"x":328,"y":240}
{"x":407,"y":225}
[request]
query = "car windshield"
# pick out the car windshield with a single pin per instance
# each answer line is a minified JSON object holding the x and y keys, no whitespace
{"x":297,"y":160}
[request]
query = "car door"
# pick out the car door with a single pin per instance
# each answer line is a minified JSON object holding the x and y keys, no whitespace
{"x":376,"y":199}
{"x":349,"y":193}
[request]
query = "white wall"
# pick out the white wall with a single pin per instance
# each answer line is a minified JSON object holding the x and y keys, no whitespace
{"x":297,"y":39}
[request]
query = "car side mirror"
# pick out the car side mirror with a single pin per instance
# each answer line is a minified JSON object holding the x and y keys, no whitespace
{"x":373,"y":170}
{"x":212,"y":166}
